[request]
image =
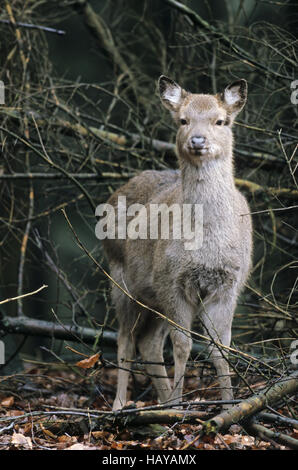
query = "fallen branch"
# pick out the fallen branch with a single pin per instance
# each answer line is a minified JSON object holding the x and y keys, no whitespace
{"x":95,"y":420}
{"x":263,"y":433}
{"x":247,"y":408}
{"x":34,"y":327}
{"x":167,"y":416}
{"x":278,"y":419}
{"x":83,"y":425}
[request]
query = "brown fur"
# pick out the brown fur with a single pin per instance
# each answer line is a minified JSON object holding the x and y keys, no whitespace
{"x":163,"y":275}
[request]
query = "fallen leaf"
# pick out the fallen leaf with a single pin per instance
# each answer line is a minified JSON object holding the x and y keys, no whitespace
{"x":208,"y":447}
{"x":207,"y":439}
{"x":14,"y":413}
{"x":140,"y":404}
{"x":228,"y":439}
{"x":27,"y":428}
{"x":21,"y":440}
{"x":199,"y":445}
{"x":88,"y":362}
{"x":65,"y":438}
{"x":247,"y":440}
{"x":81,"y":447}
{"x":99,"y":434}
{"x":8,"y":401}
{"x":116,"y":445}
{"x":130,"y":404}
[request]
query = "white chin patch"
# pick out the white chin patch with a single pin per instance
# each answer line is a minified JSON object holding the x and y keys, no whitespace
{"x":214,"y":150}
{"x":232,"y":95}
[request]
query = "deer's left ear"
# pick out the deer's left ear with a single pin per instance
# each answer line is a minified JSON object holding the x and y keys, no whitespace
{"x":171,"y":94}
{"x":234,"y":96}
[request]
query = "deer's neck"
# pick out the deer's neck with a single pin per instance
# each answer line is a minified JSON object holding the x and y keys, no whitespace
{"x":211,"y":184}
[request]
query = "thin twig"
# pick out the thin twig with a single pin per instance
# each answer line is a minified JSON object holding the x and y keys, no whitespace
{"x":23,"y":295}
{"x":47,"y":29}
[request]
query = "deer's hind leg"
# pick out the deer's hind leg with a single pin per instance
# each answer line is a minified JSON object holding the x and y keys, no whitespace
{"x":182,"y":344}
{"x":151,"y":344}
{"x":127,"y":318}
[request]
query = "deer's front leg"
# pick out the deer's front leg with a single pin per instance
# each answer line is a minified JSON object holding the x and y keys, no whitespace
{"x":182,"y":344}
{"x":217,"y":320}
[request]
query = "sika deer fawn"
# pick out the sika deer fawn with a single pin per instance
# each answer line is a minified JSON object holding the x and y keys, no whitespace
{"x":162,"y":274}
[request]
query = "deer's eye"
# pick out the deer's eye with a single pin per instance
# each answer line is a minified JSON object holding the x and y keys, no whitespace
{"x":220,"y":122}
{"x":183,"y":122}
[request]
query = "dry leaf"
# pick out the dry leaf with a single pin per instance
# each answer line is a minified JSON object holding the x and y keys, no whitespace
{"x":140,"y":404}
{"x":247,"y":440}
{"x":88,"y":362}
{"x":47,"y":432}
{"x":99,"y":434}
{"x":130,"y":403}
{"x":65,"y":438}
{"x":21,"y":440}
{"x":116,"y":445}
{"x":14,"y":413}
{"x":27,"y":428}
{"x":81,"y":447}
{"x":199,"y":445}
{"x":208,"y":447}
{"x":228,"y":439}
{"x":8,"y":401}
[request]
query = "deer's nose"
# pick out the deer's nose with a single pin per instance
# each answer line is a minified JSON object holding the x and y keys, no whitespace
{"x":197,"y":141}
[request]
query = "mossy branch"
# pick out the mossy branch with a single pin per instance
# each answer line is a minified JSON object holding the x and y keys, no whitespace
{"x":247,"y":408}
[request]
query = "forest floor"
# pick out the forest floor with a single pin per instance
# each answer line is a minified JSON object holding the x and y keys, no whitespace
{"x":55,"y":408}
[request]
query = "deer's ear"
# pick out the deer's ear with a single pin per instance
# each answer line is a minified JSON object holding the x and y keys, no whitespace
{"x":234,"y":96}
{"x":171,"y":94}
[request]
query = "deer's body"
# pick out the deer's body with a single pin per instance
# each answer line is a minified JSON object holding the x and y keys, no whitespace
{"x":162,"y":274}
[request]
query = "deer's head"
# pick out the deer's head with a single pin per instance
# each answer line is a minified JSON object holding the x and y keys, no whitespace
{"x":204,"y":121}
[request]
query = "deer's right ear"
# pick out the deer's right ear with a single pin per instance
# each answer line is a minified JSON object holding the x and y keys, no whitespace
{"x":171,"y":94}
{"x":234,"y":96}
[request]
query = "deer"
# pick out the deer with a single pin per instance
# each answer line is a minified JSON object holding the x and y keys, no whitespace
{"x":162,"y":274}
